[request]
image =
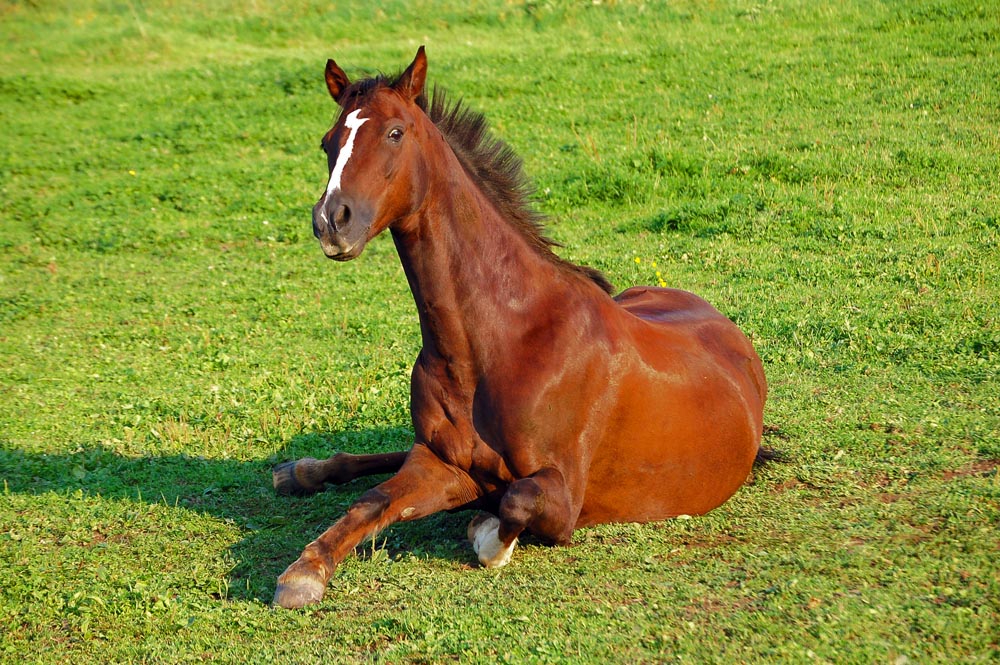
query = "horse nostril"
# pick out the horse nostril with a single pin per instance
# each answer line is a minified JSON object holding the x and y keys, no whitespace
{"x":341,"y":217}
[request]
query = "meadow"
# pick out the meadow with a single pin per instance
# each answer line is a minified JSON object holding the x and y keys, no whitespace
{"x":826,"y":174}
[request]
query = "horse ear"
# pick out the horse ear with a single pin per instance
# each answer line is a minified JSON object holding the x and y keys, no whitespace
{"x":336,"y":80}
{"x":411,"y":82}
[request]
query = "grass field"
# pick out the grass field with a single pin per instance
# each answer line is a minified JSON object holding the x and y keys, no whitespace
{"x":825,"y":173}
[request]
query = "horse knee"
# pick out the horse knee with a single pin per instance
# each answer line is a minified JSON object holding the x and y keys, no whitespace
{"x":539,"y":504}
{"x":371,"y":504}
{"x":521,"y":504}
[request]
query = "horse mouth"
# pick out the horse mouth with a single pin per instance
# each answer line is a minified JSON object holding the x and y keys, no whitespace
{"x":338,"y":243}
{"x":341,"y":251}
{"x":337,"y":246}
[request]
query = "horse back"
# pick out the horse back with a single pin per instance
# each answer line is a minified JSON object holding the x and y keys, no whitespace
{"x":686,"y":315}
{"x":666,"y":306}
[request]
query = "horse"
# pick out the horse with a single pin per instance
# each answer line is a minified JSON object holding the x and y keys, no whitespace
{"x":537,"y":398}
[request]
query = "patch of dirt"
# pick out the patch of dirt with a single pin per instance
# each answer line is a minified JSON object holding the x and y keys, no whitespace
{"x":877,"y":480}
{"x":978,"y":468}
{"x":890,"y":428}
{"x":709,"y":540}
{"x":786,"y":485}
{"x":707,"y":607}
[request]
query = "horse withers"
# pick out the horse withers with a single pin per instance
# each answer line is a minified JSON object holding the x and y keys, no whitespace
{"x":537,"y":397}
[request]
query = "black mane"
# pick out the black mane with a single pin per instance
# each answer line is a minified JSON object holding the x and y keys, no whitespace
{"x":492,"y":163}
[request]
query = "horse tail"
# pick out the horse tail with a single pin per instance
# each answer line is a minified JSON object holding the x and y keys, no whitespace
{"x":767,"y":454}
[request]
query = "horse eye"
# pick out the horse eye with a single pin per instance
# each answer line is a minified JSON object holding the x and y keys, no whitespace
{"x":396,"y":135}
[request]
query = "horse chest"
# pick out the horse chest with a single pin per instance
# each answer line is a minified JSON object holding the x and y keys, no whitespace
{"x":480,"y":424}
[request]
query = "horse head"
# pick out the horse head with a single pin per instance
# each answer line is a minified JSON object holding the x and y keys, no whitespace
{"x":374,"y":157}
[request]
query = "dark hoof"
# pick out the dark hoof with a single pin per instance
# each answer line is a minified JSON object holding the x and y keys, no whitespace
{"x":287,"y":483}
{"x":298,"y":592}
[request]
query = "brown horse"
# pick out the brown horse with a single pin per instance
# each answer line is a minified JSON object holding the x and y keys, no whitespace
{"x":537,"y":396}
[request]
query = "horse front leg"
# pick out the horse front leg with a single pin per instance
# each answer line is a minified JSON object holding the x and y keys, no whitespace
{"x":308,"y":476}
{"x":540,"y":503}
{"x":424,"y":485}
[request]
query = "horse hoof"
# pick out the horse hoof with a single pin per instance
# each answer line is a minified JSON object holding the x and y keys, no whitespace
{"x":286,"y":483}
{"x":484,"y":534}
{"x":298,"y":592}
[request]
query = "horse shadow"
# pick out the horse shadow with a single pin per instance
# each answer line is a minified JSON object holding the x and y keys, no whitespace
{"x":275,"y":528}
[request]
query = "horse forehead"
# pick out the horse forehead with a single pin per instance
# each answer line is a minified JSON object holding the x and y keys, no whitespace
{"x":378,"y":107}
{"x":383,"y":104}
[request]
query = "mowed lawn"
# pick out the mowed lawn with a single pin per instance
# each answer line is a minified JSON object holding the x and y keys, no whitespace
{"x":826,"y":174}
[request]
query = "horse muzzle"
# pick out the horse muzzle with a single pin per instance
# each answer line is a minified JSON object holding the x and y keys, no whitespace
{"x":341,"y":234}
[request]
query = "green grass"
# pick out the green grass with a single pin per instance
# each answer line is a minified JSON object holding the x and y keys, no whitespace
{"x":827,"y":176}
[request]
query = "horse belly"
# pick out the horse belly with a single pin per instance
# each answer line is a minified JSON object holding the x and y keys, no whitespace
{"x":680,"y":441}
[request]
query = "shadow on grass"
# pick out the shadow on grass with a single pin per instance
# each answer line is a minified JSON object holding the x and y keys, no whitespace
{"x":240,"y":492}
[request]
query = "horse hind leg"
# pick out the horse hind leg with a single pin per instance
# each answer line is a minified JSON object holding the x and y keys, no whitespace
{"x":308,"y":476}
{"x":539,"y":503}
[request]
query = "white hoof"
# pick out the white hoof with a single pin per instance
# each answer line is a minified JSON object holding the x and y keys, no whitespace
{"x":484,"y":534}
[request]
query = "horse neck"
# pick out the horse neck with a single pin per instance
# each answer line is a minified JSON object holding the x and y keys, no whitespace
{"x":475,"y":277}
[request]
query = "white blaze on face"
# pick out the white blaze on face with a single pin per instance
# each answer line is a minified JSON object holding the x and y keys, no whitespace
{"x":353,"y":123}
